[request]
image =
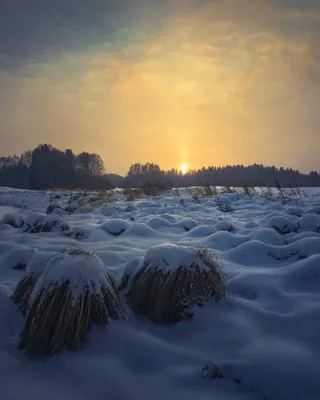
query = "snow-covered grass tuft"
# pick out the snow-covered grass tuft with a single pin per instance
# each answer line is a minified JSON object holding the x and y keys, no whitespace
{"x":13,"y":219}
{"x":172,"y":279}
{"x":67,"y":294}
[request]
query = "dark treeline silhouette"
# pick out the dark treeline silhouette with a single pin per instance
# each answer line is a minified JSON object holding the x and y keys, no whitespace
{"x":46,"y":167}
{"x":236,"y":175}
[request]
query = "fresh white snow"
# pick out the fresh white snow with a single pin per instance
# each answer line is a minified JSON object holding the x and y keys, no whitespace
{"x":6,"y":210}
{"x":264,"y":337}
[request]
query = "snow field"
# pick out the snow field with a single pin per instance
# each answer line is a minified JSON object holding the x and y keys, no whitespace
{"x":264,"y":337}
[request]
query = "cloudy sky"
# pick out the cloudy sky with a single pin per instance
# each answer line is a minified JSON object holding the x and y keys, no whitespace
{"x":202,"y":82}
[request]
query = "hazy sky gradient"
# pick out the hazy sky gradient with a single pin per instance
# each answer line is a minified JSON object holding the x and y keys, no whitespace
{"x":170,"y":81}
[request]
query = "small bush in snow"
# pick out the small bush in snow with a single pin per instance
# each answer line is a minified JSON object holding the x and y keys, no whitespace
{"x":282,"y":225}
{"x":20,"y":266}
{"x":62,"y":298}
{"x":209,"y":191}
{"x":211,"y":371}
{"x":224,"y":204}
{"x":172,"y":279}
{"x":37,"y":223}
{"x":115,"y":226}
{"x":14,"y":220}
{"x":249,"y":191}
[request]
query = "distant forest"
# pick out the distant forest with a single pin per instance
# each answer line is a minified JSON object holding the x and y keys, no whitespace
{"x":47,"y":167}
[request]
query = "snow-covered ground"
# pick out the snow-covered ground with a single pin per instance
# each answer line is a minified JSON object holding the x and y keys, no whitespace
{"x":264,"y":337}
{"x":6,"y":210}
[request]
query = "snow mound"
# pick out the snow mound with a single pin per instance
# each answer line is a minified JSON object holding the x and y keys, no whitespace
{"x":186,"y":224}
{"x":304,"y":275}
{"x":141,"y":230}
{"x":13,"y":219}
{"x":268,"y":236}
{"x":281,"y":224}
{"x":115,"y":226}
{"x":201,"y":232}
{"x":309,"y":222}
{"x":223,"y":201}
{"x":225,"y":225}
{"x":296,"y":211}
{"x":224,"y":240}
{"x":17,"y":257}
{"x":158,"y":223}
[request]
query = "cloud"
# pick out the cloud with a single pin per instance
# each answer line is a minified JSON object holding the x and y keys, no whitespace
{"x":172,"y":81}
{"x":43,"y":30}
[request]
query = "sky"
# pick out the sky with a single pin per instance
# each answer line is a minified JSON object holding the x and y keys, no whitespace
{"x":168,"y":81}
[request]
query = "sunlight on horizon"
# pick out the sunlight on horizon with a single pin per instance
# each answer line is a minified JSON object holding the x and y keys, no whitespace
{"x":184,"y":168}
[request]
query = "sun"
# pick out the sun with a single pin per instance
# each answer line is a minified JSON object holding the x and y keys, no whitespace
{"x":184,"y":168}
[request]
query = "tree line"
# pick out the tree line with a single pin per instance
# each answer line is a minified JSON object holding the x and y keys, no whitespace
{"x":47,"y":167}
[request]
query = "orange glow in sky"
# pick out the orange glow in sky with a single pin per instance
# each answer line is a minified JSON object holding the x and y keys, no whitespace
{"x":209,"y":85}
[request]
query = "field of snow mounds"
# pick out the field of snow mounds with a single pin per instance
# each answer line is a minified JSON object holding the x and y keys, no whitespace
{"x":264,"y":336}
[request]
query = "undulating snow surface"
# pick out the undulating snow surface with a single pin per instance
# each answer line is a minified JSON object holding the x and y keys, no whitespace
{"x":264,"y":337}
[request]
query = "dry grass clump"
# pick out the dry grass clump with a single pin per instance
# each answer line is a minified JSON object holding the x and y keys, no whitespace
{"x":228,"y":189}
{"x":172,"y":280}
{"x":72,"y":291}
{"x":23,"y":291}
{"x":209,"y":191}
{"x":249,"y":191}
{"x":132,"y":194}
{"x":151,"y":191}
{"x":103,"y":197}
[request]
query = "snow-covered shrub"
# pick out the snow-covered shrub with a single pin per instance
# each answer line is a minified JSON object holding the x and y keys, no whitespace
{"x":115,"y":226}
{"x":225,"y":225}
{"x":172,"y":279}
{"x":281,"y":224}
{"x":13,"y":219}
{"x":62,"y":298}
{"x":186,"y":224}
{"x":54,"y":222}
{"x":224,"y":203}
{"x":296,"y":211}
{"x":36,"y":223}
{"x":314,"y":210}
{"x":309,"y":222}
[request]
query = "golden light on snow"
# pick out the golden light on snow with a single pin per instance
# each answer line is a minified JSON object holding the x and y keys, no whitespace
{"x":184,"y":168}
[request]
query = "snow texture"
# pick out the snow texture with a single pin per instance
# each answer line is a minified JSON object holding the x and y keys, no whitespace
{"x":264,"y":337}
{"x":170,"y":257}
{"x":82,"y":271}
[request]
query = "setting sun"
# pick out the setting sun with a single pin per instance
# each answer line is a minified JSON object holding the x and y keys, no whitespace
{"x":184,"y":168}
